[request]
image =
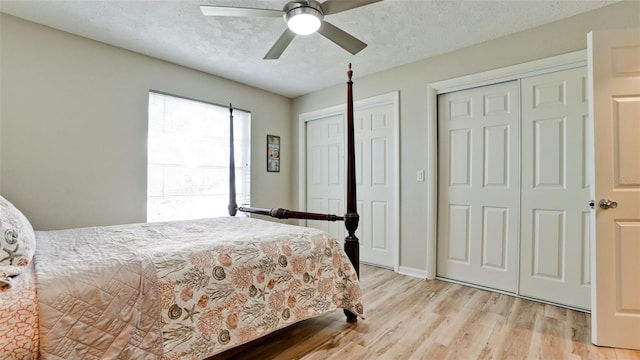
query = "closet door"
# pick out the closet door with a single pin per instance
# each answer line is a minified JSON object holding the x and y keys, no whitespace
{"x":374,"y":127}
{"x":376,"y":152}
{"x":479,"y":186}
{"x":325,"y":171}
{"x":555,"y":252}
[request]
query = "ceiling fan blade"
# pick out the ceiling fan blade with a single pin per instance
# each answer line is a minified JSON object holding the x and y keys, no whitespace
{"x":330,"y":7}
{"x":338,"y":36}
{"x":211,"y":10}
{"x":281,"y":44}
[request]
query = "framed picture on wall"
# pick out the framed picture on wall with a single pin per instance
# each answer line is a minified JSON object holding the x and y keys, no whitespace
{"x":273,"y":153}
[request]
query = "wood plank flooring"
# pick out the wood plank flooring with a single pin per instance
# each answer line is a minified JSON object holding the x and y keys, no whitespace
{"x":409,"y":318}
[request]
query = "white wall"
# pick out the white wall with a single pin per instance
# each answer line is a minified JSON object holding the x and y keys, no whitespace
{"x":74,"y":126}
{"x":411,"y":80}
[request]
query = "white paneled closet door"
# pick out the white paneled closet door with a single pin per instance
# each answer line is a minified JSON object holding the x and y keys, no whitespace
{"x":555,"y":249}
{"x":376,"y":151}
{"x":524,"y":226}
{"x":325,"y":172}
{"x":479,"y":186}
{"x":374,"y":128}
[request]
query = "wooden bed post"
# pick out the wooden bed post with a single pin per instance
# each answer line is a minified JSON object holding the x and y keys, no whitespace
{"x":233,"y":207}
{"x":351,"y":217}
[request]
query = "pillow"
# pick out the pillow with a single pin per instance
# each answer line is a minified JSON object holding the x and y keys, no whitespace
{"x":17,"y":242}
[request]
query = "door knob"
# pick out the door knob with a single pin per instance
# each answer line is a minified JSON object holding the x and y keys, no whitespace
{"x":605,"y":204}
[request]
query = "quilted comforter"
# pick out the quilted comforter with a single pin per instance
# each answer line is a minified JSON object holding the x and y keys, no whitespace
{"x":19,"y":337}
{"x":185,"y":289}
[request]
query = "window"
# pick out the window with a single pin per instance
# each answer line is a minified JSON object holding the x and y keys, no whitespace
{"x":188,"y":158}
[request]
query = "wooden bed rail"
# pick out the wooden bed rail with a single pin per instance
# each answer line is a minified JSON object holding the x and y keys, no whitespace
{"x":281,"y":213}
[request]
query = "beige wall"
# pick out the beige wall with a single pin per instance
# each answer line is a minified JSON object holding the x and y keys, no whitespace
{"x":73,"y":119}
{"x":74,"y":126}
{"x":411,"y":80}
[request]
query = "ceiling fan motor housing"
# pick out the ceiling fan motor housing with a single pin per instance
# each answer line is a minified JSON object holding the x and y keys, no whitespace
{"x":293,"y":8}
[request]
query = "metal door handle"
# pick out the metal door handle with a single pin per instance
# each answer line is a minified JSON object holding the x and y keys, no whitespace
{"x":605,"y":204}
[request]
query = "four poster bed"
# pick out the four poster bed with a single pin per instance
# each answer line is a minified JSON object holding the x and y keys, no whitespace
{"x":171,"y":290}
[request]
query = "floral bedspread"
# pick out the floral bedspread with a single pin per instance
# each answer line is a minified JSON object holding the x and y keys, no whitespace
{"x":249,"y":279}
{"x":19,"y":337}
{"x":226,"y":281}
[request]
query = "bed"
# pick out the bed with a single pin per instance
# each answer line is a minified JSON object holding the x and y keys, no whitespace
{"x":171,"y":290}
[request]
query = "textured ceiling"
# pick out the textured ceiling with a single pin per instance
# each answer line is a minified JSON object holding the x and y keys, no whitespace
{"x":397,"y":32}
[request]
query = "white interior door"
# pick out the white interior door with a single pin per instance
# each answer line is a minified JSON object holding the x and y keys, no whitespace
{"x":614,"y":67}
{"x":374,"y":128}
{"x":325,"y":172}
{"x":479,"y":186}
{"x":555,"y":216}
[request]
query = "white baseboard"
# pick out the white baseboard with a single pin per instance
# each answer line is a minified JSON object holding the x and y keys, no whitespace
{"x":419,"y":273}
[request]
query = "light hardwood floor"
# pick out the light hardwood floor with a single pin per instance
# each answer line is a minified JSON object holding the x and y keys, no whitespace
{"x":409,"y":318}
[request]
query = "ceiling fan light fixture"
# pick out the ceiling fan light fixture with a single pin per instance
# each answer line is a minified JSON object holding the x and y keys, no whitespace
{"x":303,"y":24}
{"x":304,"y":17}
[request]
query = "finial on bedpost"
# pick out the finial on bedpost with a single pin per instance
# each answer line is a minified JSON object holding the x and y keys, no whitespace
{"x":233,"y":207}
{"x":350,"y":73}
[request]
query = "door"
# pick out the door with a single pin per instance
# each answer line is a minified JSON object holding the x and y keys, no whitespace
{"x":375,"y":178}
{"x":325,"y":172}
{"x":614,"y":66}
{"x":479,"y":186}
{"x":375,"y":126}
{"x":555,"y":217}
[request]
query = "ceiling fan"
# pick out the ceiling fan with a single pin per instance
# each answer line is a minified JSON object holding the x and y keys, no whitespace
{"x":303,"y":17}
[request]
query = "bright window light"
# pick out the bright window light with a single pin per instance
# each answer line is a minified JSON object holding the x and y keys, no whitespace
{"x":188,"y":158}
